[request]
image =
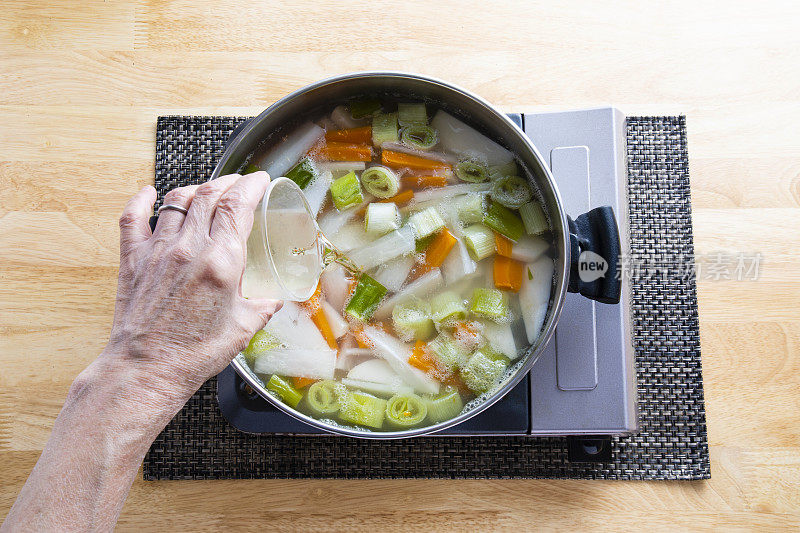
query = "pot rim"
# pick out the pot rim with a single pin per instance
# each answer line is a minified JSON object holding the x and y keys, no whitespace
{"x":533,"y":352}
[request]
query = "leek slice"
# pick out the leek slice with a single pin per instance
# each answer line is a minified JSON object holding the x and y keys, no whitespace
{"x":504,"y":221}
{"x":408,"y":114}
{"x":322,"y":398}
{"x":261,"y":342}
{"x":479,"y":241}
{"x":284,"y":390}
{"x":511,"y":191}
{"x":381,"y":218}
{"x":346,"y":191}
{"x":365,"y":299}
{"x":420,"y":137}
{"x":445,"y":406}
{"x":471,"y":171}
{"x":405,"y":411}
{"x":533,"y":218}
{"x":413,"y":319}
{"x":302,"y":173}
{"x":362,"y":409}
{"x":483,"y":370}
{"x":447,"y":306}
{"x":380,"y":181}
{"x":426,"y":222}
{"x":384,"y":128}
{"x":470,"y":207}
{"x":489,"y":303}
{"x":447,"y":352}
{"x":364,"y":108}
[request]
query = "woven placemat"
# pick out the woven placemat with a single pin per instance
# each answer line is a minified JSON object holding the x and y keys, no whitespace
{"x":672,"y":442}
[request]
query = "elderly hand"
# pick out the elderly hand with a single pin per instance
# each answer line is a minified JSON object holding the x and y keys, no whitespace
{"x":180,"y":317}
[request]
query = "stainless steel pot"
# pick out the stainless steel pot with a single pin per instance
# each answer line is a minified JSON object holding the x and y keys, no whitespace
{"x":575,"y":242}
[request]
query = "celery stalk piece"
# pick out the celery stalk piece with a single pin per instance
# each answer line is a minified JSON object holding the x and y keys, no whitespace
{"x":426,"y":222}
{"x":249,"y":169}
{"x":528,"y":249}
{"x":392,"y":274}
{"x":380,"y":181}
{"x":322,"y":398}
{"x":479,"y":241}
{"x":381,"y":218}
{"x":364,"y":108}
{"x":299,"y":362}
{"x":533,"y":218}
{"x":461,"y":139}
{"x":286,"y":154}
{"x":534,"y":296}
{"x":419,"y":137}
{"x":447,"y":352}
{"x":499,"y":171}
{"x":365,"y":299}
{"x":284,"y":390}
{"x":504,"y":221}
{"x":447,"y":306}
{"x":413,"y":319}
{"x":302,"y":173}
{"x":511,"y":191}
{"x":406,"y":411}
{"x":470,"y":207}
{"x":396,"y":353}
{"x":261,"y":342}
{"x":483,"y":371}
{"x":384,"y":128}
{"x":444,"y":406}
{"x":471,"y":171}
{"x":422,"y":286}
{"x":458,"y":264}
{"x":346,"y":191}
{"x":408,"y":114}
{"x":362,"y":409}
{"x":489,"y":303}
{"x":399,"y":242}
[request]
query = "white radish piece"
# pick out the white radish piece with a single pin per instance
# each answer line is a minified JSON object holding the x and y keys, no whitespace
{"x":440,"y":193}
{"x":458,"y":138}
{"x":339,"y":326}
{"x":374,"y":370}
{"x":422,"y":286}
{"x":351,"y":236}
{"x":378,"y":389}
{"x":396,"y":353}
{"x":528,"y":249}
{"x":340,"y":168}
{"x":392,"y":274}
{"x":341,"y":117}
{"x":335,"y":286}
{"x":458,"y":264}
{"x":332,"y":221}
{"x":501,"y":338}
{"x":280,"y":159}
{"x":534,"y":296}
{"x":391,"y":245}
{"x":317,"y":191}
{"x":301,"y":363}
{"x":292,"y":326}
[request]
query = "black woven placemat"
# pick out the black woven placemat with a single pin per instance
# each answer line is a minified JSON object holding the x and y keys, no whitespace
{"x":672,"y":443}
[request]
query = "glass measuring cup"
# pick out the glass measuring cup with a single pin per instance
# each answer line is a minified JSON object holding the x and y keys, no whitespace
{"x":286,"y":251}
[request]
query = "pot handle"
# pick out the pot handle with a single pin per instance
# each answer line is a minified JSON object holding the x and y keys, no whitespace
{"x":594,"y":255}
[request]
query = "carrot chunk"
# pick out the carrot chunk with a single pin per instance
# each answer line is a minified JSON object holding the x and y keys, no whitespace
{"x":338,"y":151}
{"x":400,"y":160}
{"x":361,"y":135}
{"x":421,"y":182}
{"x":507,"y":273}
{"x":502,"y":245}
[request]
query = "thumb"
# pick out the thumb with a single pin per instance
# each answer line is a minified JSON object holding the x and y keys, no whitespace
{"x":255,"y":313}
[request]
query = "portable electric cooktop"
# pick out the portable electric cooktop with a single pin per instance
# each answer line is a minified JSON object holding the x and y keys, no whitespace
{"x":584,"y":383}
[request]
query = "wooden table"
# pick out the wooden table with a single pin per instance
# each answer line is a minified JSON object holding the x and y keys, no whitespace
{"x":83,"y":81}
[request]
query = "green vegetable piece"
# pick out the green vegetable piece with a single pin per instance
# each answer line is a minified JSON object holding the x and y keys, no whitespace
{"x":282,"y":388}
{"x":447,"y":352}
{"x":260,"y":343}
{"x":384,"y":128}
{"x":365,"y":298}
{"x":412,"y":114}
{"x":249,"y":169}
{"x":346,"y":191}
{"x":504,"y":221}
{"x":423,"y":243}
{"x":380,"y":181}
{"x":498,"y":171}
{"x":483,"y":370}
{"x":469,"y":207}
{"x":489,"y":303}
{"x":446,"y":405}
{"x":426,"y":222}
{"x":364,"y":108}
{"x":322,"y":398}
{"x":362,"y":409}
{"x":471,"y":171}
{"x":413,"y":319}
{"x":479,"y":241}
{"x":405,"y":411}
{"x":533,"y":218}
{"x":511,"y":191}
{"x":302,"y":173}
{"x":420,"y":137}
{"x":447,"y":306}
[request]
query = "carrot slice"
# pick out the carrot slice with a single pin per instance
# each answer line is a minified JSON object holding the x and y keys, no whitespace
{"x":336,"y":151}
{"x":421,"y":182}
{"x":302,"y":383}
{"x":314,"y":307}
{"x":420,"y":358}
{"x":399,"y":160}
{"x":507,"y":273}
{"x":437,"y":251}
{"x":502,"y":245}
{"x":353,"y":135}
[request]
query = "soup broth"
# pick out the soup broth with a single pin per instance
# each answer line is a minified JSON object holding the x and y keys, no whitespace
{"x":453,"y":269}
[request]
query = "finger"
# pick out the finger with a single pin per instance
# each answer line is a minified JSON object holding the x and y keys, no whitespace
{"x":233,"y":218}
{"x":133,"y":223}
{"x":204,"y":203}
{"x":169,"y":220}
{"x":255,"y":313}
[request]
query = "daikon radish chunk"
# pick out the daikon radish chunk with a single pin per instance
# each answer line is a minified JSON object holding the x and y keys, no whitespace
{"x":421,"y":287}
{"x":396,"y":353}
{"x":335,"y":285}
{"x":501,"y":338}
{"x":292,"y":326}
{"x":317,"y":191}
{"x":378,"y":389}
{"x":534,"y":296}
{"x":461,"y":139}
{"x":280,"y":159}
{"x":458,"y":264}
{"x":392,"y":274}
{"x":399,"y":242}
{"x":529,"y":249}
{"x":374,"y":370}
{"x":302,"y":363}
{"x":339,"y":325}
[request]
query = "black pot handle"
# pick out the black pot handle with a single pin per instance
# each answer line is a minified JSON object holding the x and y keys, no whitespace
{"x":594,"y":255}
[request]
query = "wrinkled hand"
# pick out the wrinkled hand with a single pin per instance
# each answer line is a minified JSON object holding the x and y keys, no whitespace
{"x":180,"y":317}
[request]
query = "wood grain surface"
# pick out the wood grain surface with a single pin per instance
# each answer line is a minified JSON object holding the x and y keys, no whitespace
{"x":81,"y":85}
